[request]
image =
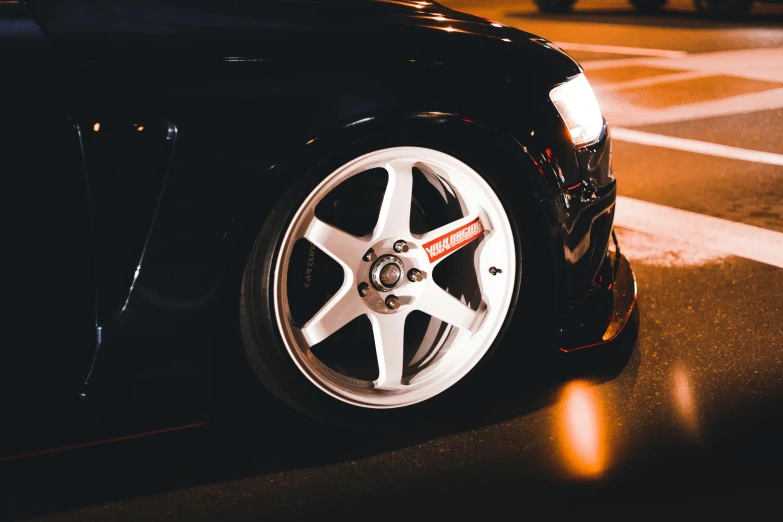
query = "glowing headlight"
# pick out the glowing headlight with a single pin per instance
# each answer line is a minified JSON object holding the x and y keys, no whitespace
{"x":579,"y":109}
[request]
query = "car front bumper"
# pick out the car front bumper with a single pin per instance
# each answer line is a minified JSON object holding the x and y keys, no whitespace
{"x":606,"y":314}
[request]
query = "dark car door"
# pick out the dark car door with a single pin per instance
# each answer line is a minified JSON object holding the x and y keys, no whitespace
{"x":47,"y":289}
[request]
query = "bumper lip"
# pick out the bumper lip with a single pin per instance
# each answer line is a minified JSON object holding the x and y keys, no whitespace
{"x":624,"y":296}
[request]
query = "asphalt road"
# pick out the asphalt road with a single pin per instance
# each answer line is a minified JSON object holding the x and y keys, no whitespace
{"x":683,"y":422}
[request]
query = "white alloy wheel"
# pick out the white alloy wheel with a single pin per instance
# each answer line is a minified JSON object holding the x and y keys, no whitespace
{"x":387,"y":275}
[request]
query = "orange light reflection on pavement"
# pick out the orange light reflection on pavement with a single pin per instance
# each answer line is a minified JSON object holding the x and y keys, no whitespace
{"x":684,"y":400}
{"x":581,"y":431}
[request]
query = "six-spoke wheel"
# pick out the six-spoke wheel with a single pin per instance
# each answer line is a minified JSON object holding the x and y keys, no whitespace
{"x":414,"y":261}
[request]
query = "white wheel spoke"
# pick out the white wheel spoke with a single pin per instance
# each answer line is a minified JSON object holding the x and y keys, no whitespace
{"x":444,"y":241}
{"x":341,"y":309}
{"x":395,"y":215}
{"x":440,"y":304}
{"x":337,"y":244}
{"x":437,"y":355}
{"x":389,"y":333}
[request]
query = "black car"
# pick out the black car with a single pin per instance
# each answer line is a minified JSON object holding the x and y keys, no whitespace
{"x":363,"y":199}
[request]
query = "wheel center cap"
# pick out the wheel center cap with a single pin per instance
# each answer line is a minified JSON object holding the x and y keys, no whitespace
{"x":386,"y":273}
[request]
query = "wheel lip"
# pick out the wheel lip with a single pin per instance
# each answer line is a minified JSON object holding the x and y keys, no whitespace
{"x":501,"y":222}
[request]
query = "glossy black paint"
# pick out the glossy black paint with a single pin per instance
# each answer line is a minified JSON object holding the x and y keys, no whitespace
{"x":611,"y":307}
{"x":47,"y":294}
{"x":196,"y":116}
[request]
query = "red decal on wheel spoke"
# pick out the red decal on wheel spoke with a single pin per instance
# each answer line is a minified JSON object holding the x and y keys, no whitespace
{"x":454,"y":240}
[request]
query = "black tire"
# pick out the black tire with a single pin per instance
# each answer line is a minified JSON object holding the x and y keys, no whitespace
{"x":723,"y":9}
{"x":261,"y":338}
{"x":555,"y":6}
{"x":648,"y":6}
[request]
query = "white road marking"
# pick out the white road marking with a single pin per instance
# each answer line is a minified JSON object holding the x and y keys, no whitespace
{"x":618,"y":112}
{"x":640,"y":83}
{"x":699,"y":147}
{"x":595,"y":65}
{"x":756,"y":64}
{"x":649,"y":249}
{"x":617,"y":49}
{"x":700,"y":231}
{"x":765,"y":64}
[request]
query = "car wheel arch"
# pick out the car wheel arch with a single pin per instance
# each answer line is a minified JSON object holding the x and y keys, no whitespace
{"x":503,"y":147}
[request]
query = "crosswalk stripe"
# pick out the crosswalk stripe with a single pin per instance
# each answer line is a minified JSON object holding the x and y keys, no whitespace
{"x":700,"y":147}
{"x":618,"y":49}
{"x":700,"y":231}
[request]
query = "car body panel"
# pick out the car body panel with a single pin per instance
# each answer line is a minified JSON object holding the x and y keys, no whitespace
{"x":194,"y":119}
{"x":47,"y":316}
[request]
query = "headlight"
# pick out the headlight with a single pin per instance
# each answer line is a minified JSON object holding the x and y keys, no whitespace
{"x":576,"y":103}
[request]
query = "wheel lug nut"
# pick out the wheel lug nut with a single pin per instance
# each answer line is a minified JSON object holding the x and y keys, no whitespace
{"x":392,"y":302}
{"x":364,"y":289}
{"x":370,"y":256}
{"x":415,"y":275}
{"x":400,"y":246}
